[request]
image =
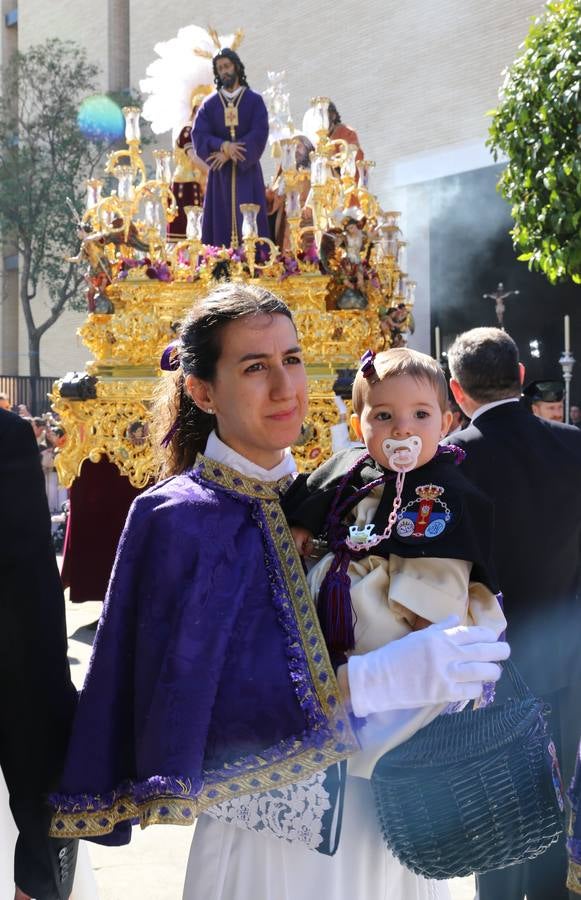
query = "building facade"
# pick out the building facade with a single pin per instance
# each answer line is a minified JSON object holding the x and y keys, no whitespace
{"x":415,"y":80}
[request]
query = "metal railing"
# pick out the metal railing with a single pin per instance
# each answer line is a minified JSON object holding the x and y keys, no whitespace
{"x":28,"y":389}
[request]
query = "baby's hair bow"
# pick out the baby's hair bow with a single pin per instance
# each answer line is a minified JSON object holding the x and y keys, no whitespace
{"x":367,"y":364}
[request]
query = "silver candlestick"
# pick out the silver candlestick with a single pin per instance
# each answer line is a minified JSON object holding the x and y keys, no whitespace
{"x":567,"y":361}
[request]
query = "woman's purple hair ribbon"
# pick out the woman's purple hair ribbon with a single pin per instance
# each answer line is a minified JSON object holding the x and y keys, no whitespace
{"x":367,"y":364}
{"x":170,"y":358}
{"x":169,"y":436}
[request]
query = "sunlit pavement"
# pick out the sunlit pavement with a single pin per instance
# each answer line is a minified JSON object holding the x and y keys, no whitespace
{"x":152,"y":867}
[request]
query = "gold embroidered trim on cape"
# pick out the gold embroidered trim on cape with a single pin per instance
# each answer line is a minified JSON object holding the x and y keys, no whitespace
{"x":574,"y":877}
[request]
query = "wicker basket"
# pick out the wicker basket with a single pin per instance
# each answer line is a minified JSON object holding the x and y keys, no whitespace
{"x":473,"y":791}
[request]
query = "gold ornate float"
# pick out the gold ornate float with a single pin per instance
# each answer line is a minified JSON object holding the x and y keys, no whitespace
{"x":342,"y":275}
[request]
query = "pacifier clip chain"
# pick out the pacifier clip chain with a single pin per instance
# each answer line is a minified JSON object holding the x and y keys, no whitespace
{"x":362,"y":538}
{"x":401,"y":457}
{"x":396,"y":506}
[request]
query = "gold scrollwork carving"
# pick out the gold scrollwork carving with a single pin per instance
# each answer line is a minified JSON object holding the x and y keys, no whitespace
{"x":114,"y":425}
{"x":128,"y":343}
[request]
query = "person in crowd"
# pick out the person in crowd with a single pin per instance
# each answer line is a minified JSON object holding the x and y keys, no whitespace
{"x":459,"y":419}
{"x":5,"y":402}
{"x":210,"y":681}
{"x":575,"y":415}
{"x":529,"y":467}
{"x":38,"y":426}
{"x":38,"y":697}
{"x":546,"y":399}
{"x":56,"y":494}
{"x":230,"y":133}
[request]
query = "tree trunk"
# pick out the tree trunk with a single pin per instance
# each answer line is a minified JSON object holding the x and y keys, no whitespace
{"x":27,"y":294}
{"x":34,"y":353}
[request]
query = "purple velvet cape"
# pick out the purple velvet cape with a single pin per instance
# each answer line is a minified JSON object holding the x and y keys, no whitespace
{"x":208,"y":134}
{"x":209,"y":677}
{"x":574,"y":836}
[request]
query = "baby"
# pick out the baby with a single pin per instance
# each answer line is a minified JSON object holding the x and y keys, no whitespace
{"x":410,"y":537}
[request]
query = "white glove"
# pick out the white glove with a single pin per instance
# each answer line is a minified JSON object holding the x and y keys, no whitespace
{"x":444,"y":663}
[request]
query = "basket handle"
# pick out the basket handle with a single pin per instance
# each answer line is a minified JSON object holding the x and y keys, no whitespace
{"x":522,"y":690}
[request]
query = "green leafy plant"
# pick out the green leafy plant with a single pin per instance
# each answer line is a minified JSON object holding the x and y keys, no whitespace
{"x":44,"y":163}
{"x":537,"y":127}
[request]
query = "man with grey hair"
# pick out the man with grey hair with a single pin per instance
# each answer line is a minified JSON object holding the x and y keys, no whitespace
{"x":531,"y":469}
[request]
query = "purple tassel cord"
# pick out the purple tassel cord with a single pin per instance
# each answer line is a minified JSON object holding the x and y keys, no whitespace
{"x":334,"y":602}
{"x":334,"y":607}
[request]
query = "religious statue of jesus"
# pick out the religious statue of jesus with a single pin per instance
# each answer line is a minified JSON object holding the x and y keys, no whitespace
{"x":230,"y":133}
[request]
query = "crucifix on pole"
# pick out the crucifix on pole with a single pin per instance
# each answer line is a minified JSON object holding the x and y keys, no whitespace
{"x":499,"y":296}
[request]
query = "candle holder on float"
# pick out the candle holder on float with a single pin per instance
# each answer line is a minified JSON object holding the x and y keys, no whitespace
{"x":189,"y":249}
{"x":293,"y":181}
{"x":366,"y":199}
{"x":326,"y":194}
{"x":251,"y":238}
{"x":138,"y":211}
{"x":133,"y":152}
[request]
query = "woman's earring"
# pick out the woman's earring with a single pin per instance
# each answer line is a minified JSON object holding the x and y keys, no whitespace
{"x":210,"y":411}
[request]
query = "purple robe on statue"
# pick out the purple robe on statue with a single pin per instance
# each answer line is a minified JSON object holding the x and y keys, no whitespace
{"x":208,"y":135}
{"x":209,"y":677}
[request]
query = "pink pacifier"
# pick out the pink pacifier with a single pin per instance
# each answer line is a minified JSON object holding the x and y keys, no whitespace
{"x":402,"y":456}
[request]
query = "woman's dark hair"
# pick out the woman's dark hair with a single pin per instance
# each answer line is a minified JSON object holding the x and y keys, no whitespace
{"x":226,"y":53}
{"x":200,"y":348}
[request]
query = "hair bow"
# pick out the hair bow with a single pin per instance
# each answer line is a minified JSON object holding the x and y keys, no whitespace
{"x":170,"y":358}
{"x":367,"y":364}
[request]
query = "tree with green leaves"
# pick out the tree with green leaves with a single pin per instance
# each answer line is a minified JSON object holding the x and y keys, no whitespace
{"x":45,"y":159}
{"x":537,"y":126}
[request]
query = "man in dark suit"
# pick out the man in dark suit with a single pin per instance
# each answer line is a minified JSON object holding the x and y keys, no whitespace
{"x":546,"y":399}
{"x":531,"y":469}
{"x":37,"y":696}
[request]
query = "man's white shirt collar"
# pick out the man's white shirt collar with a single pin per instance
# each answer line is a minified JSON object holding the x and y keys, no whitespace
{"x":487,"y":406}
